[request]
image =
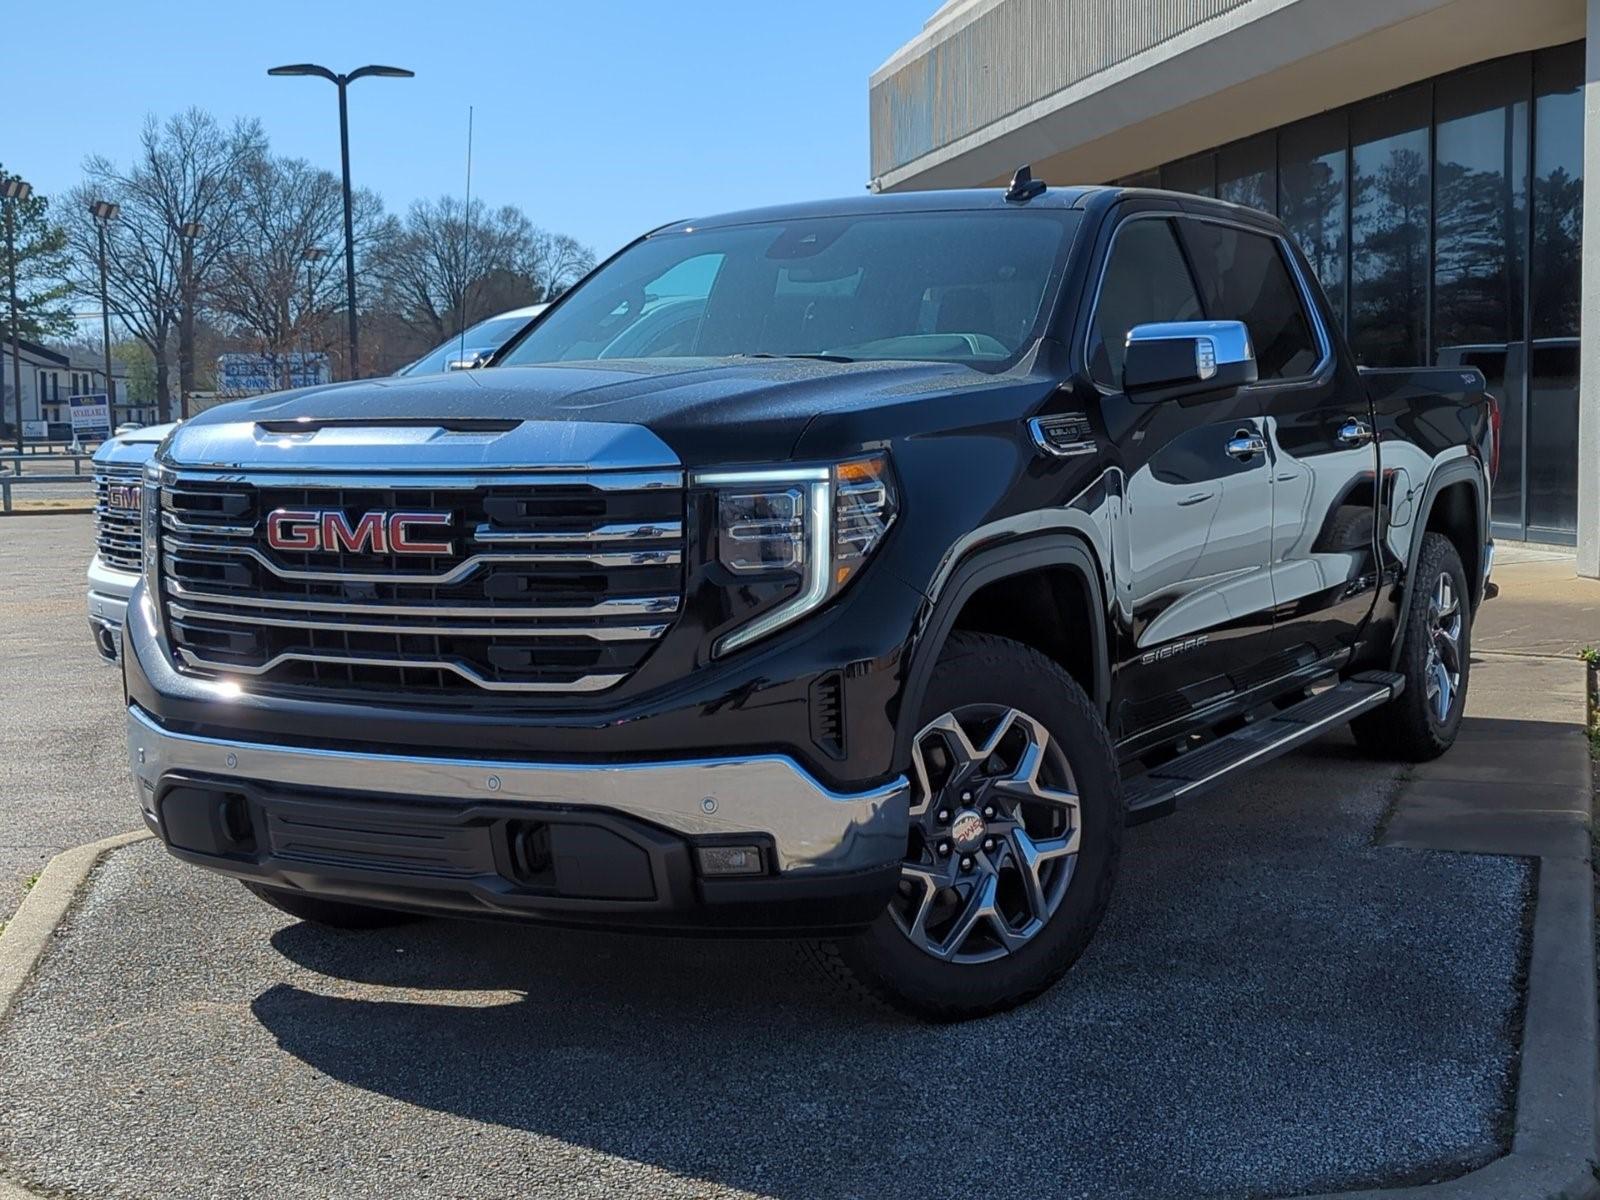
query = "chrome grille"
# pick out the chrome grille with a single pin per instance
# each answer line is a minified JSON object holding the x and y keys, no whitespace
{"x":554,"y":583}
{"x":117,"y":535}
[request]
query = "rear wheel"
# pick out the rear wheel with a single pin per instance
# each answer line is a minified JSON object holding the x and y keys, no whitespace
{"x":335,"y":914}
{"x":1016,"y":827}
{"x":1435,"y":658}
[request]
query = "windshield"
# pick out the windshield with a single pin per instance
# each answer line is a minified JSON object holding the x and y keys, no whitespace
{"x":480,"y":341}
{"x":956,"y":287}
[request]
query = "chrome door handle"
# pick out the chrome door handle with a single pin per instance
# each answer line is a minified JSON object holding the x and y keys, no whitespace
{"x":1355,"y":433}
{"x":1246,"y":445}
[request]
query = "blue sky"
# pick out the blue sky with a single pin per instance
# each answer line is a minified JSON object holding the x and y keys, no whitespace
{"x":599,"y":118}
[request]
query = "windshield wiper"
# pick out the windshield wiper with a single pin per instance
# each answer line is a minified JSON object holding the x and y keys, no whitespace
{"x":844,"y":358}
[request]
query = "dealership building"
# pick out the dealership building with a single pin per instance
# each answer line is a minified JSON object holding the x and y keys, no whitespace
{"x":1428,"y":156}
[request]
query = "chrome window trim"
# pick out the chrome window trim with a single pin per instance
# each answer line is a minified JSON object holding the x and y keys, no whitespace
{"x":1314,"y":314}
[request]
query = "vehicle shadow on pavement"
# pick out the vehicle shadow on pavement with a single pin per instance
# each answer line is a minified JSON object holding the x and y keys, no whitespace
{"x":1238,"y":1025}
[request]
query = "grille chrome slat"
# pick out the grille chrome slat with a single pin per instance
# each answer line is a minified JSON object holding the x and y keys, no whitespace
{"x":658,"y":531}
{"x":541,"y":590}
{"x":600,"y":633}
{"x":584,"y":683}
{"x":622,"y":607}
{"x":597,"y":558}
{"x":178,"y":525}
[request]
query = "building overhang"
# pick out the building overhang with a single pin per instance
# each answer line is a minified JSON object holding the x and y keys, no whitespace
{"x":1097,"y":89}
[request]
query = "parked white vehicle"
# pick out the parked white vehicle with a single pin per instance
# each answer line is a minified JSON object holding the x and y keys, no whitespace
{"x":118,"y":475}
{"x":469,"y":350}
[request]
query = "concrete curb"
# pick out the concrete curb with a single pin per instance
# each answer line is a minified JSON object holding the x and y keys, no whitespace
{"x":65,"y":510}
{"x":28,"y":933}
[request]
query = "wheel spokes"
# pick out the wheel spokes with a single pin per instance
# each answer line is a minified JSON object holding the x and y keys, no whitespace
{"x":995,"y":834}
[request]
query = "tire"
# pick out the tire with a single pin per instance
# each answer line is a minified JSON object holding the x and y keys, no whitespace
{"x":334,"y":914}
{"x":1416,"y":725}
{"x":1005,"y":697}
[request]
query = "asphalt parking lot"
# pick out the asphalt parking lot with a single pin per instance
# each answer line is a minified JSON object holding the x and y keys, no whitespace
{"x":63,"y":770}
{"x":1276,"y":1004}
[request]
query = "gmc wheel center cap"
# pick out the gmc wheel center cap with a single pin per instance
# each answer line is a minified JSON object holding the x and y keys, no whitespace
{"x":968,"y":829}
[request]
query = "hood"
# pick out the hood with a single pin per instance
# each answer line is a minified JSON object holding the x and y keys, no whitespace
{"x":137,"y":445}
{"x":705,"y":411}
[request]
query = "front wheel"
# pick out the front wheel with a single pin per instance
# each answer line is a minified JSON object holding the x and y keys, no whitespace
{"x":1016,"y":827}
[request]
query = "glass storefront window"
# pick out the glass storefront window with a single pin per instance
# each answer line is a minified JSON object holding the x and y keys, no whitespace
{"x":1247,"y":173}
{"x":1479,"y":236}
{"x":1197,"y":175}
{"x":1313,"y":197}
{"x":1389,"y":207}
{"x":1554,"y":286}
{"x":1445,"y":223}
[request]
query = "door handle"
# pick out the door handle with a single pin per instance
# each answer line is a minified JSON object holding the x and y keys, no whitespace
{"x":1245,"y":445}
{"x":1355,"y":432}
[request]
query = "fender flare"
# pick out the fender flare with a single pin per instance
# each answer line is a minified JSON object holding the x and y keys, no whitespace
{"x":1457,"y":470}
{"x":979,"y":569}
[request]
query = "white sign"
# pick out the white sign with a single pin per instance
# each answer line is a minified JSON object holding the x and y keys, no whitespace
{"x":91,"y":417}
{"x":36,"y":431}
{"x":251,"y":374}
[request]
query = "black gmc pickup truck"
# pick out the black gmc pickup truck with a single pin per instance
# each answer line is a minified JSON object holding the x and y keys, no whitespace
{"x":850,"y":570}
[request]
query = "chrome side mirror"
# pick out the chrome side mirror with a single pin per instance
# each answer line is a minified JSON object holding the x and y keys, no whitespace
{"x":1187,"y":358}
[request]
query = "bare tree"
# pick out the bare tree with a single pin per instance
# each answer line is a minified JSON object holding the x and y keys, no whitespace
{"x":446,"y":266}
{"x":555,"y":262}
{"x":266,"y":290}
{"x":184,"y":173}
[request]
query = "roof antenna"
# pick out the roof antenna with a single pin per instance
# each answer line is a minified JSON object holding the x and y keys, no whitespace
{"x":1024,"y":186}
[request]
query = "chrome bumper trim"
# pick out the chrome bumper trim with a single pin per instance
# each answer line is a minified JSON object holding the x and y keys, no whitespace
{"x":812,"y":827}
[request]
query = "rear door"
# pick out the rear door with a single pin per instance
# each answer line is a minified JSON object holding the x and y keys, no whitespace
{"x":1193,"y":543}
{"x":1319,"y":432}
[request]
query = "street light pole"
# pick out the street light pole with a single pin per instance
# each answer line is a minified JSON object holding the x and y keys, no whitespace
{"x":342,"y":82}
{"x":104,"y":212}
{"x":15,"y":192}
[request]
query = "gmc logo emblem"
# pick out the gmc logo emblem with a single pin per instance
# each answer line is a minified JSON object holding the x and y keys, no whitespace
{"x":330,"y":531}
{"x":123,"y":495}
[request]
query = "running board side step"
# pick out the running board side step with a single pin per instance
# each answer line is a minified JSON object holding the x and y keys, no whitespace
{"x":1157,"y":792}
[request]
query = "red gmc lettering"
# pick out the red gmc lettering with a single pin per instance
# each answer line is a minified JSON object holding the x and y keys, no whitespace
{"x":403,"y":541}
{"x":368,"y":534}
{"x":293,"y":529}
{"x":373,"y":533}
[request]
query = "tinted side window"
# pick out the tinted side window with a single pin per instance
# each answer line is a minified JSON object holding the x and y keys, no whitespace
{"x":1146,"y":281}
{"x":1243,"y":278}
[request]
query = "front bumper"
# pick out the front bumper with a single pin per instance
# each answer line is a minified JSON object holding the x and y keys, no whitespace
{"x":109,"y":590}
{"x":615,"y":844}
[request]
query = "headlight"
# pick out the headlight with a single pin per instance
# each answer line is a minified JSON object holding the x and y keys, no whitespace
{"x":815,"y":525}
